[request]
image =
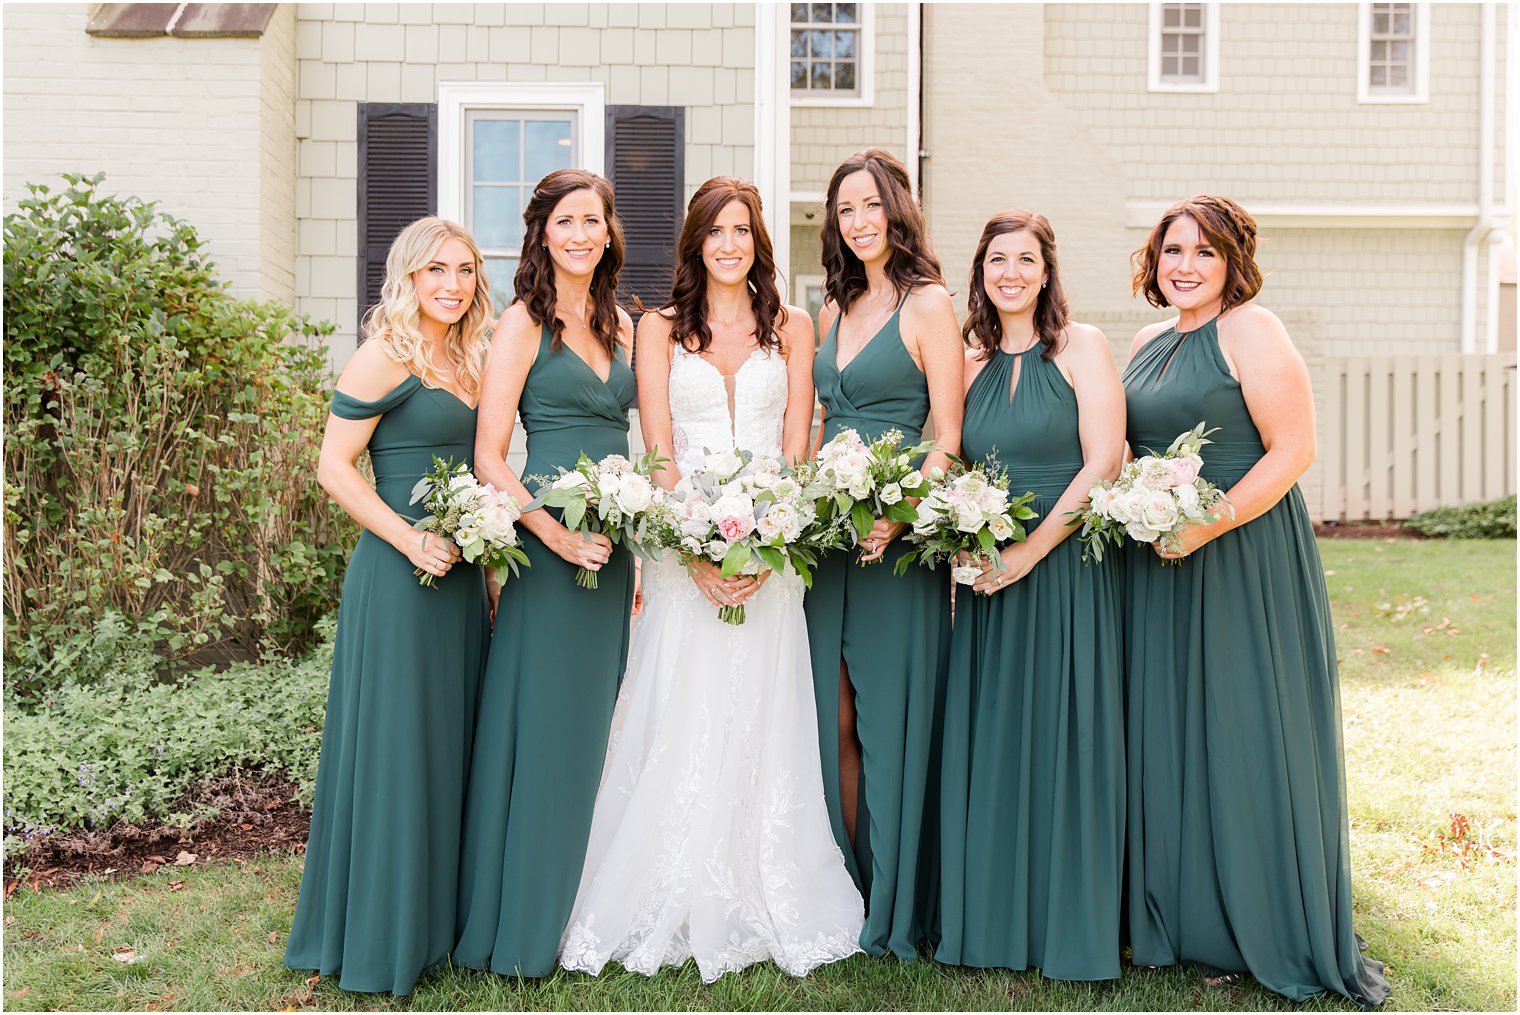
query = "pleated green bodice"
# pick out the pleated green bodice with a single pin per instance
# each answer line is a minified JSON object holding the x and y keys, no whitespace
{"x":1033,"y":775}
{"x":881,"y":388}
{"x":566,"y":408}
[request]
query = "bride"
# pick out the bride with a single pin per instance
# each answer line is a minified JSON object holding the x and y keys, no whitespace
{"x":710,"y":838}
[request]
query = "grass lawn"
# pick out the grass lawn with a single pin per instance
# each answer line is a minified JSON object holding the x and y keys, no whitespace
{"x":1427,"y":645}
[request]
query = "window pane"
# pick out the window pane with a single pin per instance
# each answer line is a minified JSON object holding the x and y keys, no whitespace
{"x":799,"y":74}
{"x":1379,"y":75}
{"x":1192,"y":67}
{"x":1170,"y":66}
{"x":496,"y":150}
{"x":799,"y":12}
{"x":822,"y":43}
{"x":1191,"y":45}
{"x":844,"y":44}
{"x":500,"y":271}
{"x":498,"y":218}
{"x":821,"y":76}
{"x":1401,"y":21}
{"x":844,"y":14}
{"x":546,"y":147}
{"x":1379,"y":51}
{"x":844,"y":75}
{"x":1379,"y":20}
{"x":1192,"y":16}
{"x":799,"y":43}
{"x":1398,"y":76}
{"x":1171,"y":15}
{"x":1399,"y":51}
{"x":821,"y":14}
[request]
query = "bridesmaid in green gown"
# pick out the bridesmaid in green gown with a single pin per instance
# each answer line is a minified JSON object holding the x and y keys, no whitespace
{"x":1238,"y":837}
{"x":892,"y":359}
{"x":1033,"y":780}
{"x":377,"y":898}
{"x":557,"y":358}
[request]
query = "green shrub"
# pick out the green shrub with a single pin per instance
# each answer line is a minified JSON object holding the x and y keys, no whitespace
{"x":160,"y":446}
{"x":1493,"y":520}
{"x":125,"y":748}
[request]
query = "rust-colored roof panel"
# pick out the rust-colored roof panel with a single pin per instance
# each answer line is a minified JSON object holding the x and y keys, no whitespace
{"x":224,"y":21}
{"x":131,"y":21}
{"x":185,"y":21}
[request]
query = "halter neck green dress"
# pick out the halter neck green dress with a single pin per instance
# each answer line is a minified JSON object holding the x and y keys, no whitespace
{"x":893,"y":632}
{"x":556,"y":660}
{"x":377,"y":897}
{"x":1238,"y":837}
{"x":1033,"y":780}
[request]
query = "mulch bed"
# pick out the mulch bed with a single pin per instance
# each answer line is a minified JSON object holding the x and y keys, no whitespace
{"x":1365,"y":530}
{"x":256,"y":815}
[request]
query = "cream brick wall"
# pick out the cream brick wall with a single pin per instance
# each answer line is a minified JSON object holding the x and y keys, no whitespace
{"x":823,"y":136}
{"x":695,"y":55}
{"x":179,"y":121}
{"x":277,"y":157}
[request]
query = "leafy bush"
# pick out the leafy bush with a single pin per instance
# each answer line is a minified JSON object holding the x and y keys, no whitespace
{"x":160,"y":446}
{"x":1494,"y":520}
{"x":126,"y":748}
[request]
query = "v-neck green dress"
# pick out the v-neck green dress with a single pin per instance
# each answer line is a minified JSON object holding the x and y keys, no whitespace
{"x":377,"y":897}
{"x":1033,"y":785}
{"x":893,"y":633}
{"x":1238,"y":837}
{"x":551,"y":681}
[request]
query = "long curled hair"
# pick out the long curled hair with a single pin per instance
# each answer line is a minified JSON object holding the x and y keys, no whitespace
{"x":687,"y":307}
{"x":911,"y":261}
{"x":395,"y":322}
{"x":1227,"y":227}
{"x":534,"y":281}
{"x":983,"y":327}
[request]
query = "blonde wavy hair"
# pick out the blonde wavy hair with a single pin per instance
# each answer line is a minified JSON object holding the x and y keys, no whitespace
{"x":394,"y":321}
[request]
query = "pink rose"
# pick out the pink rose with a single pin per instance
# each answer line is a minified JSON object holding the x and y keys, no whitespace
{"x":1185,"y":470}
{"x":732,"y":528}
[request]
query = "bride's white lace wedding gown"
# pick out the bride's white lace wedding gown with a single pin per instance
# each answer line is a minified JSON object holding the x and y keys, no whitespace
{"x":710,"y":838}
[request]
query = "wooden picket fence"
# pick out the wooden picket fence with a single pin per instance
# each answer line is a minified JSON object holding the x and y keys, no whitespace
{"x":1403,"y":434}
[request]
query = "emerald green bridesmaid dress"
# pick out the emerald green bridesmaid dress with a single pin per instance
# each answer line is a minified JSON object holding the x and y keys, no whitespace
{"x":377,"y":898}
{"x":551,"y":681}
{"x":1238,"y":837}
{"x":892,"y":632}
{"x":1032,"y":819}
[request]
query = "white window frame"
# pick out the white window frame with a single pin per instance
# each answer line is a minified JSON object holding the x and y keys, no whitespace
{"x":865,"y":70}
{"x":799,"y":288}
{"x":455,"y":98}
{"x":1420,"y":62}
{"x":1210,"y":82}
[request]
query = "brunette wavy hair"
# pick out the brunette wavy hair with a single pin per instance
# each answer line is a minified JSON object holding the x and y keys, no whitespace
{"x":687,"y":307}
{"x":983,"y":327}
{"x":534,"y":281}
{"x":911,"y":261}
{"x":394,"y":321}
{"x":1227,"y":227}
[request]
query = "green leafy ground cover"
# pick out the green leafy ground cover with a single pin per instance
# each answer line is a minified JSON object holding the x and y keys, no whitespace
{"x":1427,"y":643}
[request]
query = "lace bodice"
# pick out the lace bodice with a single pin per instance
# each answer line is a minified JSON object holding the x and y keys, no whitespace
{"x":699,"y":414}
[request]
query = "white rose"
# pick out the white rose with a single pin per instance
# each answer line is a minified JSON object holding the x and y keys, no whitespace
{"x":572,"y":480}
{"x":635,"y":493}
{"x":723,"y":464}
{"x":891,"y":493}
{"x":1188,"y":502}
{"x":860,"y":488}
{"x":770,"y":527}
{"x":1001,"y":527}
{"x":1158,"y":511}
{"x":1102,"y":500}
{"x":1140,"y":534}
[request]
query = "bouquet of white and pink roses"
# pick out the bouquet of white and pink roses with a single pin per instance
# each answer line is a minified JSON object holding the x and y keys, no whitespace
{"x":743,"y":512}
{"x":481,"y":519}
{"x":967,"y":508}
{"x":853,"y":483}
{"x":613,"y":497}
{"x":1154,"y":499}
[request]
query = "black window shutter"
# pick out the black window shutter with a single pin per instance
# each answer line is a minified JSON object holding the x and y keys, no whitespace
{"x":646,"y":162}
{"x":398,"y":182}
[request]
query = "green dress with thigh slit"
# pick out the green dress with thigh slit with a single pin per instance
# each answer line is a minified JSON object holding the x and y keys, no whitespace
{"x":556,"y":660}
{"x":1238,"y":839}
{"x":892,"y":632}
{"x":1032,"y":819}
{"x":377,"y":896}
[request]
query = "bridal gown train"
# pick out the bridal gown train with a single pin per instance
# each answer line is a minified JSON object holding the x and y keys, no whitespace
{"x":711,"y":838}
